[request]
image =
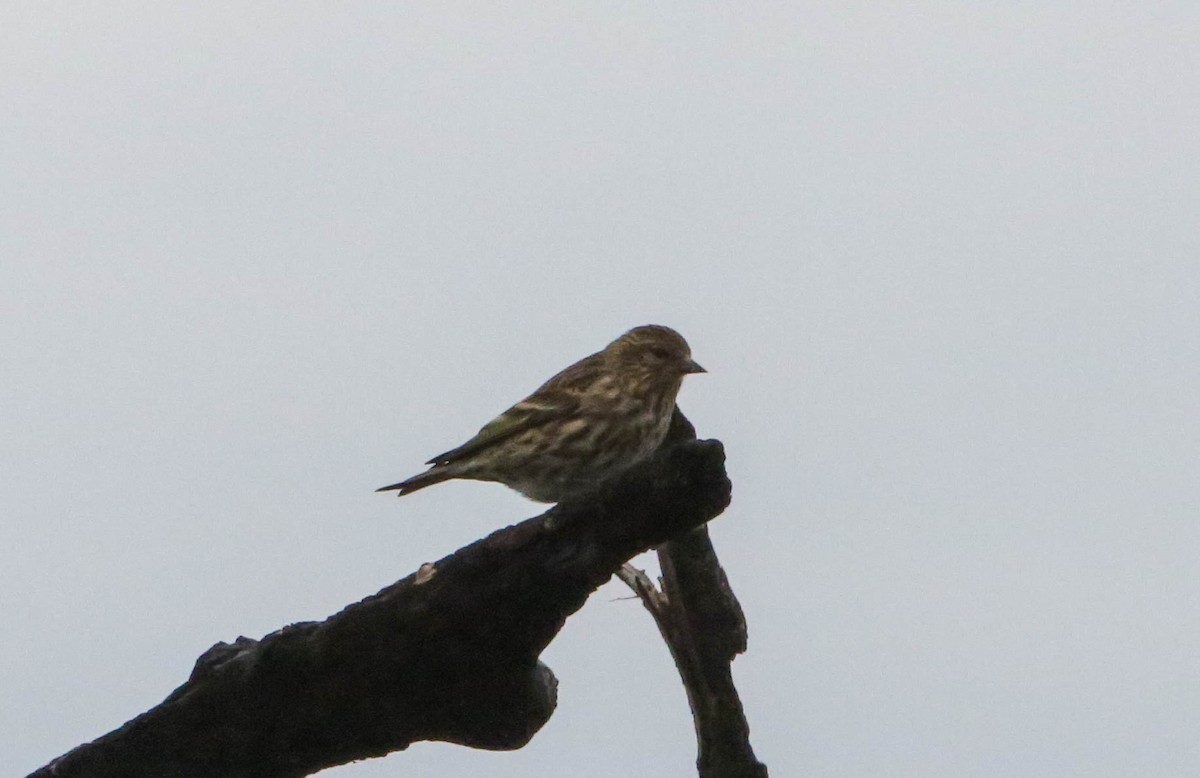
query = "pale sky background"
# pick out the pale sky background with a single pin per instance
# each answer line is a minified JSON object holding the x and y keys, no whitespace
{"x":940,"y":259}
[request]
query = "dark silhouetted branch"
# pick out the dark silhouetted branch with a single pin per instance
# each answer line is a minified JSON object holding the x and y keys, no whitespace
{"x":704,"y":627}
{"x":449,"y":653}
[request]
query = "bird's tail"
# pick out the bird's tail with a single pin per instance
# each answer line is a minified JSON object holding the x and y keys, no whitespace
{"x":434,"y":475}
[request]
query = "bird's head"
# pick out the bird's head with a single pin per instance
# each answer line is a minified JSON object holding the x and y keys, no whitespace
{"x":655,"y":350}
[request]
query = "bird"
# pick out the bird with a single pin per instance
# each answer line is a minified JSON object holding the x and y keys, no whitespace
{"x":591,"y":421}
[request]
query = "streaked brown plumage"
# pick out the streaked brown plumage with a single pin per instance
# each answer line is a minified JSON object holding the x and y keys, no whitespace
{"x":598,"y":417}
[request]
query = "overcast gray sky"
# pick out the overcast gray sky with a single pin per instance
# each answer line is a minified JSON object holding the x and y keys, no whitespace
{"x":940,"y":259}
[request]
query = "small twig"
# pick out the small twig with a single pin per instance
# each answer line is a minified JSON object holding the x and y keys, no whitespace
{"x":654,"y":600}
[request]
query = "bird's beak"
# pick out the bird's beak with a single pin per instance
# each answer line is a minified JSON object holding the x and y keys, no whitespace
{"x":692,"y":367}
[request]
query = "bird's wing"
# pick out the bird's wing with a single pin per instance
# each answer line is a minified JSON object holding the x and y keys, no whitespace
{"x":525,"y":415}
{"x":560,"y":397}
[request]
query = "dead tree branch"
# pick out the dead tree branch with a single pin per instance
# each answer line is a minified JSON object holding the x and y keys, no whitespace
{"x":704,"y":628}
{"x":449,"y":653}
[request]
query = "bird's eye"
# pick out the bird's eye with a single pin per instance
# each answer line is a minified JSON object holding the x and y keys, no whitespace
{"x":660,"y":352}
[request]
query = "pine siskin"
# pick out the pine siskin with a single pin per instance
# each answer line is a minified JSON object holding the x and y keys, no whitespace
{"x":593,"y":420}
